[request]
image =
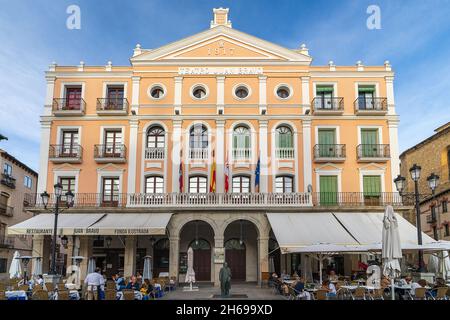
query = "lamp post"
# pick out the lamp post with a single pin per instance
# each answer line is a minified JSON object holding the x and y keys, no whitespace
{"x":433,"y":181}
{"x":45,"y":197}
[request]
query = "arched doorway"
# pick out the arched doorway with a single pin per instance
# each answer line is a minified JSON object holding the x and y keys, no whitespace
{"x":202,"y":259}
{"x":161,"y":256}
{"x":235,"y":257}
{"x":241,"y":250}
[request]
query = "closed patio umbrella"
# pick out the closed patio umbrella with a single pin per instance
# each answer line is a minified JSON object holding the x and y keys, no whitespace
{"x":190,"y":275}
{"x":271,"y":265}
{"x":15,"y":269}
{"x":91,"y":265}
{"x":306,"y":267}
{"x":391,"y":250}
{"x":147,"y":273}
{"x":37,"y":267}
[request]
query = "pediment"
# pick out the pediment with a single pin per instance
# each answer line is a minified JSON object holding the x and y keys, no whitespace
{"x":65,"y":167}
{"x":221,"y":43}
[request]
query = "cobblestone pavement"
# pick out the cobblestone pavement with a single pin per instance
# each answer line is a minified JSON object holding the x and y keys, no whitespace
{"x":207,"y":291}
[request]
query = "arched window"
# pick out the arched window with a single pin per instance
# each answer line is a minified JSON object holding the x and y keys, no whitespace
{"x":235,"y":244}
{"x":284,"y":143}
{"x":241,"y":184}
{"x":162,"y":244}
{"x":155,"y":137}
{"x":154,"y":184}
{"x":241,"y":142}
{"x":200,"y":244}
{"x":198,"y":184}
{"x":284,"y":184}
{"x":198,"y":137}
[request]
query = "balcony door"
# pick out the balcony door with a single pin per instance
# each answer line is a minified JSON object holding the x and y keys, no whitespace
{"x":115,"y":97}
{"x":68,"y":184}
{"x":324,"y":95}
{"x":372,"y":190}
{"x":69,"y":144}
{"x":110,"y":192}
{"x":327,"y":142}
{"x":328,"y":190}
{"x":113,"y":143}
{"x":366,"y":95}
{"x":369,"y":141}
{"x":73,"y":98}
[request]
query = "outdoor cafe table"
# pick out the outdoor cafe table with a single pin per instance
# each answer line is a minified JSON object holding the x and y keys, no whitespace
{"x":353,"y":288}
{"x":16,"y":295}
{"x":137,"y":295}
{"x":289,"y":282}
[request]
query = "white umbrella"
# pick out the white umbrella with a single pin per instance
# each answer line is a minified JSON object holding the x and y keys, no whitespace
{"x":37,"y":268}
{"x":147,"y":268}
{"x":91,"y":265}
{"x":271,"y":265}
{"x":391,"y":250}
{"x":433,"y":264}
{"x":15,"y":269}
{"x":190,"y":275}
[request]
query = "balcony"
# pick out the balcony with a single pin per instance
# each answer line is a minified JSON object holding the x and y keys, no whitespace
{"x":6,"y":211}
{"x":234,"y":201}
{"x":284,"y":153}
{"x":154,"y":153}
{"x":104,"y":153}
{"x":329,"y":153}
{"x":69,"y":107}
{"x":6,"y":242}
{"x":8,"y":180}
{"x":431,"y":218}
{"x":108,"y":106}
{"x":370,"y":106}
{"x":240,"y":154}
{"x":198,"y":153}
{"x":373,"y":152}
{"x":65,"y":153}
{"x":328,"y":106}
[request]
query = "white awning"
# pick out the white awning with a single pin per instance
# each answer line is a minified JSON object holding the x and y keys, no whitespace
{"x":298,"y":230}
{"x":131,"y":224}
{"x":68,"y":224}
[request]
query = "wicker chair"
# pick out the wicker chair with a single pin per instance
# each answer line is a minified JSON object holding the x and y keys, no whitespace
{"x":420,"y":294}
{"x":50,"y":286}
{"x":2,"y":295}
{"x":377,"y":294}
{"x":110,"y":285}
{"x":24,"y":287}
{"x":37,"y":287}
{"x":110,"y":294}
{"x":128,"y":294}
{"x":40,"y":295}
{"x":61,"y":286}
{"x":321,"y":294}
{"x":441,"y":293}
{"x":360,"y":294}
{"x":3,"y":286}
{"x":63,"y":295}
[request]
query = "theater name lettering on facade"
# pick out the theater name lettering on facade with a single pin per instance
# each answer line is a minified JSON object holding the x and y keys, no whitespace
{"x":141,"y":145}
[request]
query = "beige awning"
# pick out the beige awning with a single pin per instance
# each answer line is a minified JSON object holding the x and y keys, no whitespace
{"x":131,"y":224}
{"x":68,"y":224}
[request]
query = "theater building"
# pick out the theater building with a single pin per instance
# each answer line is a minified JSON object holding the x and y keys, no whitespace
{"x":219,"y":141}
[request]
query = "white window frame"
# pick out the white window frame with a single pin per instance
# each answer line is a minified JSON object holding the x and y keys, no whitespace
{"x":367,"y":83}
{"x":326,"y":83}
{"x":291,"y":91}
{"x":108,"y":174}
{"x":380,"y":133}
{"x":64,"y":85}
{"x":326,"y":172}
{"x":115,"y":83}
{"x":60,"y":129}
{"x":249,"y":90}
{"x":66,"y":174}
{"x":336,"y":129}
{"x":152,"y":86}
{"x":191,"y":91}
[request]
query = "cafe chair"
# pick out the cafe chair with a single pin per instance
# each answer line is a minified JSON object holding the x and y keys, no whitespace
{"x":63,"y":295}
{"x":360,"y":294}
{"x":39,"y":295}
{"x":111,"y":294}
{"x":377,"y":294}
{"x":441,"y":293}
{"x":110,"y":285}
{"x":128,"y":294}
{"x":24,"y":287}
{"x":321,"y":294}
{"x":420,"y":294}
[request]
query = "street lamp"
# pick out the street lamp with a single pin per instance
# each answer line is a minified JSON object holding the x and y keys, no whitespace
{"x":58,"y":188}
{"x":433,"y":181}
{"x":400,"y":183}
{"x":25,"y":261}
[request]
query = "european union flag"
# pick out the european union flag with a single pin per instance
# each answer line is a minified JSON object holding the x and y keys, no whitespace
{"x":257,"y":171}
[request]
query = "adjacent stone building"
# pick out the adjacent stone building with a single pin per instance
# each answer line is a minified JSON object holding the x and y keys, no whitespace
{"x":16,"y":180}
{"x":433,"y":155}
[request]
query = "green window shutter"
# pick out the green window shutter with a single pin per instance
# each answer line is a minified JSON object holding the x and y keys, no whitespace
{"x":366,"y":88}
{"x":328,"y":190}
{"x":325,"y":89}
{"x":372,"y":186}
{"x":327,"y":137}
{"x":369,"y":138}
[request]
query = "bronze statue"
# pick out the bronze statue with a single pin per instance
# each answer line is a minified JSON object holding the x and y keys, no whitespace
{"x":225,"y":280}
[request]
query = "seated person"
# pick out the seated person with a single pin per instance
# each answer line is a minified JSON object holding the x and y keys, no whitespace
{"x":299,"y":287}
{"x":419,"y":284}
{"x":284,"y":275}
{"x":406,"y":281}
{"x":331,"y":289}
{"x":133,"y":284}
{"x":148,"y":289}
{"x":332,"y":276}
{"x":120,"y":281}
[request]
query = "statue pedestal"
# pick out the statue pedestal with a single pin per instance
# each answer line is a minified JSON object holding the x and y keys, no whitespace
{"x":190,"y":288}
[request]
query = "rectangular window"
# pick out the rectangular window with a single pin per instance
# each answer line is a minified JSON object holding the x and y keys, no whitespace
{"x":433,"y":211}
{"x":110,"y":191}
{"x":197,"y":184}
{"x":327,"y":140}
{"x":435,"y":235}
{"x":447,"y":230}
{"x":69,"y":143}
{"x":3,"y":265}
{"x":113,"y":143}
{"x":27,"y":182}
{"x":284,"y":184}
{"x":369,"y":142}
{"x":68,"y":184}
{"x":7,"y":169}
{"x":366,"y":95}
{"x":154,"y":184}
{"x":372,"y":190}
{"x":444,"y":206}
{"x":241,"y":184}
{"x":115,"y":95}
{"x":73,"y":98}
{"x":324,"y":95}
{"x":328,"y":190}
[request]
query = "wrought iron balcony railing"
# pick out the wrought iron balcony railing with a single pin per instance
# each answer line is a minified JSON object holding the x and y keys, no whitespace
{"x":6,"y":210}
{"x":112,"y":106}
{"x":107,"y":152}
{"x":8,"y":180}
{"x":373,"y":152}
{"x":431,"y":218}
{"x":154,"y":153}
{"x":65,"y":153}
{"x":72,"y":106}
{"x":6,"y":242}
{"x":187,"y":201}
{"x":329,"y":152}
{"x":328,"y":105}
{"x":368,"y":105}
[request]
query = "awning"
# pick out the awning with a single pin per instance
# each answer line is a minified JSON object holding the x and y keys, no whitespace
{"x":302,"y":229}
{"x":131,"y":224}
{"x":68,"y":224}
{"x":95,"y":224}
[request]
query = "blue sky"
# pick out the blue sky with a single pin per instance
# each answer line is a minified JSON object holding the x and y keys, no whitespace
{"x":414,"y":37}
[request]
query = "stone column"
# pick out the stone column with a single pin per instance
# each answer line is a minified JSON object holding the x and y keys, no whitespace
{"x":220,"y":156}
{"x":41,"y":248}
{"x":135,"y":94}
{"x":69,"y":251}
{"x":218,"y":244}
{"x":86,"y":253}
{"x":263,"y":256}
{"x":174,"y":253}
{"x":132,"y":158}
{"x":307,"y":165}
{"x":129,"y":267}
{"x":306,"y":100}
{"x":264,"y":161}
{"x":176,"y":149}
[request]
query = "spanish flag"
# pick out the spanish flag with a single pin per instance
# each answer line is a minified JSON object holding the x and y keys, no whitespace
{"x":212,"y":185}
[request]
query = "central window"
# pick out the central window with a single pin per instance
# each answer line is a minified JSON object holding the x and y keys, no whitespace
{"x":199,"y":92}
{"x":157,"y":92}
{"x":113,"y":143}
{"x":241,"y":184}
{"x":154,"y":184}
{"x":110,"y":191}
{"x":283,"y":92}
{"x":241,"y":92}
{"x":198,"y":142}
{"x":241,"y":143}
{"x":284,"y":184}
{"x":284,"y":143}
{"x":197,"y":184}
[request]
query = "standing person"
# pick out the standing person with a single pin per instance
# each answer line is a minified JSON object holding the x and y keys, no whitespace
{"x":93,"y":283}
